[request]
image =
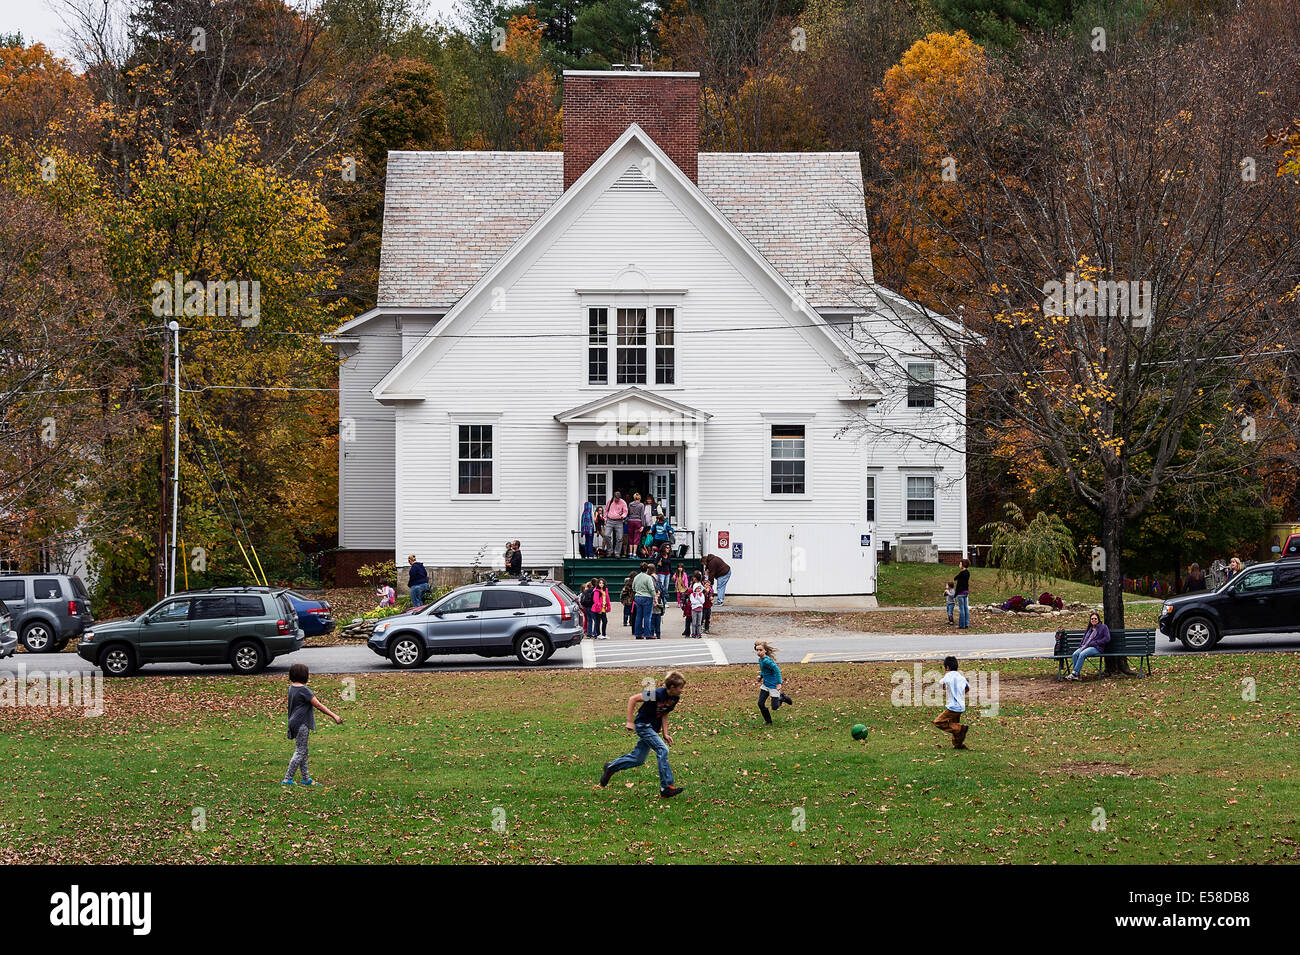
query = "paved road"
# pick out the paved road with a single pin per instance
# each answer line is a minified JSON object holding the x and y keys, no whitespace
{"x":673,"y":651}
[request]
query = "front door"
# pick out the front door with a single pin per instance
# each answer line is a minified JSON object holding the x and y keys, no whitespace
{"x":665,"y":492}
{"x":631,"y":482}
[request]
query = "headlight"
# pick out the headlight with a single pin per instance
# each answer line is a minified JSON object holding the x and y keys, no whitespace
{"x":1169,"y":608}
{"x":380,"y":627}
{"x":90,"y":635}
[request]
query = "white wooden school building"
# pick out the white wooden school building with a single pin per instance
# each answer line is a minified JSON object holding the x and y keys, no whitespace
{"x":634,"y":314}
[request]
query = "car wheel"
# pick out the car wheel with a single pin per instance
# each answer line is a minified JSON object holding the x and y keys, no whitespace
{"x":406,"y":653}
{"x":117,"y":659}
{"x":38,"y":638}
{"x":247,"y":657}
{"x":1198,"y":633}
{"x":532,"y":648}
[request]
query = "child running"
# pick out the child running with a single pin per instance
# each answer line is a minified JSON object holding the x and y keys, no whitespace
{"x":769,"y":680}
{"x":302,"y":721}
{"x":949,"y":721}
{"x":650,"y":723}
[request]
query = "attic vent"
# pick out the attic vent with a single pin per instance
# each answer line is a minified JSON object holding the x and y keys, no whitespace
{"x":633,"y":180}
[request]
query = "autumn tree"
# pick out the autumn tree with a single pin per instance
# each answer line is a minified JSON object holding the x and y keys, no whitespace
{"x":1127,"y":280}
{"x":68,"y":392}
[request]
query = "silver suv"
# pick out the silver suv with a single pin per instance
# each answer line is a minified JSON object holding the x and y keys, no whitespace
{"x":8,"y":639}
{"x":529,"y":618}
{"x":47,"y":610}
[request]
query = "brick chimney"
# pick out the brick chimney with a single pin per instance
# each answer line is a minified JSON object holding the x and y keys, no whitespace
{"x":599,"y":105}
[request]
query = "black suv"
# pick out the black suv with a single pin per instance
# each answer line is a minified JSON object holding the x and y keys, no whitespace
{"x":1263,"y":598}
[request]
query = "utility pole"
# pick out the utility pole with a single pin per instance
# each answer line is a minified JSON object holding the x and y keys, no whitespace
{"x":160,"y":544}
{"x":176,"y":449}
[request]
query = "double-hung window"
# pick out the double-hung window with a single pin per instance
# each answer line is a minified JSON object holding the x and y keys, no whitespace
{"x":630,"y":353}
{"x":474,"y":459}
{"x":788,"y":459}
{"x":597,"y":346}
{"x":920,"y":498}
{"x":871,"y":497}
{"x":665,"y":347}
{"x":920,"y":384}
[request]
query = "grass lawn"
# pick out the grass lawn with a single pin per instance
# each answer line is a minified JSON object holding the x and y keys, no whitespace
{"x":921,"y":585}
{"x":1183,"y":768}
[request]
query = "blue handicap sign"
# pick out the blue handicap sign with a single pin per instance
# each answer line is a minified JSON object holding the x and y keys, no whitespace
{"x":735,"y":552}
{"x":866,"y":540}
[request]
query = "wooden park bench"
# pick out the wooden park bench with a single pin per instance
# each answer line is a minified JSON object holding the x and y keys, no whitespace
{"x":1123,"y":643}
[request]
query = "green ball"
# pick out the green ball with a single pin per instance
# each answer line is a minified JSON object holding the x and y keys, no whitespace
{"x":859,"y":731}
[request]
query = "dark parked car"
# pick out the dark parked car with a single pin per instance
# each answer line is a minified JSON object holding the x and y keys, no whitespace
{"x":314,"y":616}
{"x":47,"y":610}
{"x":1263,"y":598}
{"x":246,"y":627}
{"x":531,"y":619}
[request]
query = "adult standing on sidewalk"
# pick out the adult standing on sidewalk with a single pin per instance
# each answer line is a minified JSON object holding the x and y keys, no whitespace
{"x":418,"y":580}
{"x":644,"y":589}
{"x":615,"y":515}
{"x":719,"y":572}
{"x":962,"y":580}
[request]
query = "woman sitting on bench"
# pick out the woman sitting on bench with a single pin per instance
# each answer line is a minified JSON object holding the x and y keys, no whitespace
{"x":1094,"y":643}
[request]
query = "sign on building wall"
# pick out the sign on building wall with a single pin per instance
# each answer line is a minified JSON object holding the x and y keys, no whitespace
{"x":736,"y":551}
{"x":724,"y":540}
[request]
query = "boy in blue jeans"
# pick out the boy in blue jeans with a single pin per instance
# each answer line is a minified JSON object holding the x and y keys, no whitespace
{"x":649,"y":722}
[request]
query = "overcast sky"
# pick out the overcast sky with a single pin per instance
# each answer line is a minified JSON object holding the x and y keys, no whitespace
{"x":38,"y":21}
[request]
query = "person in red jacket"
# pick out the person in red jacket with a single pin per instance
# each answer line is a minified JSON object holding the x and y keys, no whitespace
{"x":600,"y":607}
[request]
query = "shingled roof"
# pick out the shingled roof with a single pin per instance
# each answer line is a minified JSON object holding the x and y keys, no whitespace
{"x":449,"y":216}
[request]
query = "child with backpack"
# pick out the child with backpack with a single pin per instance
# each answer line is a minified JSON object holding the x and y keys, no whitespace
{"x":628,"y":599}
{"x":587,"y":600}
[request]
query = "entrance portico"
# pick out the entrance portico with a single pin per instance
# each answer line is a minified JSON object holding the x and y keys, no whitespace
{"x":639,"y":438}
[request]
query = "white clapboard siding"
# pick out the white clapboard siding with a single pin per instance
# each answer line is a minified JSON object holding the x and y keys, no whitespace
{"x":738,"y":358}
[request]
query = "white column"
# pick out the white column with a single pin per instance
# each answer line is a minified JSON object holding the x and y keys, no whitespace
{"x":691,"y":493}
{"x":573,"y":499}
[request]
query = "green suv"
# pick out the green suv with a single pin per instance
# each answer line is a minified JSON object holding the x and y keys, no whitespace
{"x":246,"y":627}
